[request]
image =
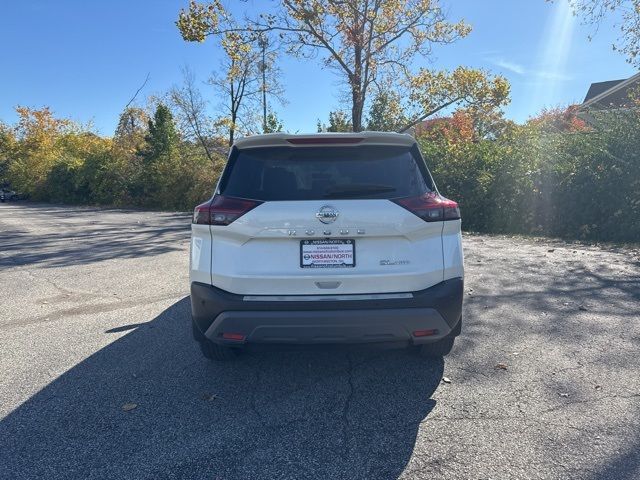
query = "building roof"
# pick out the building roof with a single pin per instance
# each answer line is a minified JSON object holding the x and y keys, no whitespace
{"x":611,"y":94}
{"x":600,"y":87}
{"x":342,"y":139}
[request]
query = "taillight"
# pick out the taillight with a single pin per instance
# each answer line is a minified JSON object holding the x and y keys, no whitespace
{"x":431,"y":207}
{"x":222,"y":210}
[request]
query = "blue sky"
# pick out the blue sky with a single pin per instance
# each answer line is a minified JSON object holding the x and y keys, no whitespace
{"x":85,"y":59}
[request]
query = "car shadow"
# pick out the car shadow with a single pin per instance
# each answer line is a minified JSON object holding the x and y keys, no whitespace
{"x":149,"y":406}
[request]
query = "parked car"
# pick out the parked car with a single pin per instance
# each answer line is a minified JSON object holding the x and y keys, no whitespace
{"x":326,"y":238}
{"x":7,"y":195}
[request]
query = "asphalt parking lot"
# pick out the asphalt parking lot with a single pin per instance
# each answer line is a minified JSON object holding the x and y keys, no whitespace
{"x":99,"y":377}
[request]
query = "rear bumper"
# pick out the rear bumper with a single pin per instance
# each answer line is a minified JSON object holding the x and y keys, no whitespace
{"x":294,"y":321}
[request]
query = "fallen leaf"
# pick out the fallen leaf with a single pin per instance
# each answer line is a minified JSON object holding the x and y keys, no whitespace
{"x":446,"y":379}
{"x":127,"y":407}
{"x":500,"y":366}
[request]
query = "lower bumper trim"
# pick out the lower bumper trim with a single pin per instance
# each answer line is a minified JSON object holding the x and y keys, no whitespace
{"x":334,"y":319}
{"x":329,"y":326}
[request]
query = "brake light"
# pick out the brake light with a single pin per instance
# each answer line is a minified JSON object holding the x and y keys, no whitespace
{"x":431,"y":207}
{"x":320,"y":140}
{"x":222,"y":210}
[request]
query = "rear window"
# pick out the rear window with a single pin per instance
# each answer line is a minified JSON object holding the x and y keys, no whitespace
{"x":319,"y":173}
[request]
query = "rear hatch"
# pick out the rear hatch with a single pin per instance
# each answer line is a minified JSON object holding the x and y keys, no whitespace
{"x":326,"y":220}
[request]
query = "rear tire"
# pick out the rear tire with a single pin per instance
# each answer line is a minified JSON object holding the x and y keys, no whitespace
{"x":437,"y":349}
{"x":211,"y":350}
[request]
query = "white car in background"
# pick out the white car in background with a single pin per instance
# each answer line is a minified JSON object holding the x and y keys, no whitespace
{"x":324,"y":239}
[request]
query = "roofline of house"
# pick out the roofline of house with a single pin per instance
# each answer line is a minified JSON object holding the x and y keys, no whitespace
{"x":606,"y":93}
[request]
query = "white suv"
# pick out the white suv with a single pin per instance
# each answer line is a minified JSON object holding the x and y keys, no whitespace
{"x":326,"y":238}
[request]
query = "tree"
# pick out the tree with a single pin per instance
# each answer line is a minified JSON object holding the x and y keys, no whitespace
{"x":558,"y":120}
{"x":7,"y":149}
{"x":272,"y":124}
{"x":240,"y":82}
{"x":163,"y":136}
{"x":161,"y":161}
{"x":38,"y":134}
{"x":338,"y":122}
{"x":386,"y":113}
{"x":455,"y":130}
{"x":249,"y":69}
{"x":363,"y":40}
{"x":595,"y":11}
{"x":475,"y":90}
{"x":192,"y":109}
{"x":132,"y":129}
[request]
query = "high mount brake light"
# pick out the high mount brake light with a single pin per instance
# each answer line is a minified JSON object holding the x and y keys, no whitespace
{"x":222,"y":210}
{"x":431,"y":207}
{"x":324,"y":140}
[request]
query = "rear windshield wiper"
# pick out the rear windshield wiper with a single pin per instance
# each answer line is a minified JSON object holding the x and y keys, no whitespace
{"x":357,"y":190}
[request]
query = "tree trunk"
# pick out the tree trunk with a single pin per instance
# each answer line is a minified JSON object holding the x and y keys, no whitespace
{"x":357,"y":91}
{"x":232,"y":129}
{"x":356,"y":111}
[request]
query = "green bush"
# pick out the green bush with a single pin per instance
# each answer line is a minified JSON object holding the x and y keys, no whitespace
{"x":575,"y":184}
{"x":58,"y":161}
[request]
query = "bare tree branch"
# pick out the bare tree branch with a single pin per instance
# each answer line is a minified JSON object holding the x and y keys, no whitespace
{"x":137,"y":91}
{"x":428,"y":114}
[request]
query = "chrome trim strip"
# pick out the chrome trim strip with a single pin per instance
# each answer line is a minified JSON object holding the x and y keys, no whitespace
{"x":314,"y":298}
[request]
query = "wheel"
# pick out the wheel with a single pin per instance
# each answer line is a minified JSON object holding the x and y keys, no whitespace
{"x":437,"y":349}
{"x":209,"y":349}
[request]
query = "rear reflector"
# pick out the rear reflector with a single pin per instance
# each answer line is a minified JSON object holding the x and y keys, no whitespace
{"x":233,"y":336}
{"x":222,"y":210}
{"x":431,"y":207}
{"x":324,"y":140}
{"x":425,"y":333}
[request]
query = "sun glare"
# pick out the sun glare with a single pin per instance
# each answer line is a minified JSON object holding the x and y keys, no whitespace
{"x":555,"y":47}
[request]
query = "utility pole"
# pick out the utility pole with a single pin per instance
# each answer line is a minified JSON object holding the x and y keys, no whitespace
{"x":263,"y":43}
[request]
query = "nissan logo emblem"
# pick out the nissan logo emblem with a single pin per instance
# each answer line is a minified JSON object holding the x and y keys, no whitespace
{"x":327,"y":214}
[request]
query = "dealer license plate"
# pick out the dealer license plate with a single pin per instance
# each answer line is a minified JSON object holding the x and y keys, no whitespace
{"x":328,"y":253}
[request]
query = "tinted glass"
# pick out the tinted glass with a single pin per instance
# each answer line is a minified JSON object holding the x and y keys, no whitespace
{"x":318,"y":173}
